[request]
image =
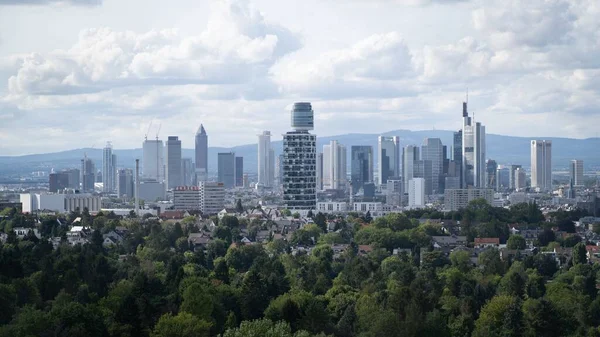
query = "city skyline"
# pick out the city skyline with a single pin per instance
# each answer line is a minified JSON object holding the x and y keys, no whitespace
{"x":366,"y":79}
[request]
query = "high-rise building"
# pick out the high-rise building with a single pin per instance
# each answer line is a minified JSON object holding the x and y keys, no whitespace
{"x":319,"y":173}
{"x":299,"y":160}
{"x":490,"y":171}
{"x":226,"y":169}
{"x":88,"y":175}
{"x":473,"y":152}
{"x":456,"y":199}
{"x":457,"y":153}
{"x":541,"y":165}
{"x":152,"y":160}
{"x":502,"y":179}
{"x":410,"y":155}
{"x":433,"y":150}
{"x":109,"y":169}
{"x":266,"y":160}
{"x":334,"y":166}
{"x":74,"y":177}
{"x":125,"y":185}
{"x":279,"y":170}
{"x":394,"y":192}
{"x":212,"y":197}
{"x":201,"y":151}
{"x":361,"y":167}
{"x":173,"y":166}
{"x":423,"y":169}
{"x":520,"y":179}
{"x":577,"y":172}
{"x":388,"y":160}
{"x":187,"y":172}
{"x":58,"y":181}
{"x":239,"y":171}
{"x":187,"y":198}
{"x":513,"y":176}
{"x":416,"y":193}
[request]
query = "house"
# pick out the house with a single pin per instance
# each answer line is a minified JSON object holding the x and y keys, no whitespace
{"x":173,"y":215}
{"x":78,"y":235}
{"x":263,"y":236}
{"x":561,"y":255}
{"x":109,"y":242}
{"x":507,"y":254}
{"x":487,"y":242}
{"x":21,"y":232}
{"x":364,"y":249}
{"x":593,"y":253}
{"x":450,"y":241}
{"x":112,"y":238}
{"x":338,"y":249}
{"x":226,"y":212}
{"x":198,"y":240}
{"x":400,"y":251}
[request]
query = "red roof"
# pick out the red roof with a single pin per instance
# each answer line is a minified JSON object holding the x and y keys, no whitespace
{"x":479,"y":241}
{"x":592,"y":248}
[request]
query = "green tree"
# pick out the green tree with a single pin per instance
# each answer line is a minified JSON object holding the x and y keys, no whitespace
{"x":541,"y":319}
{"x":239,"y":207}
{"x":461,"y":260}
{"x":182,"y":325}
{"x":502,"y":316}
{"x":579,"y":254}
{"x":264,"y":328}
{"x":516,"y":242}
{"x":198,"y":302}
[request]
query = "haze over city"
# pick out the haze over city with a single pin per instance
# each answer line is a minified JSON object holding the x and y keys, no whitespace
{"x":79,"y":73}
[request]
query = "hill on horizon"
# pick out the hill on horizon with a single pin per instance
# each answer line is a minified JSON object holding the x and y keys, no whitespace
{"x":503,"y":149}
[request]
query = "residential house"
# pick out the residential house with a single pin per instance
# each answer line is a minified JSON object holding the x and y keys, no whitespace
{"x":198,"y":241}
{"x":487,"y":243}
{"x":593,"y":253}
{"x":450,"y":241}
{"x":79,"y":235}
{"x":21,"y":232}
{"x":226,"y":212}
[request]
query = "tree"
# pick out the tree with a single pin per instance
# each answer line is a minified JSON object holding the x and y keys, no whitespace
{"x":239,"y":207}
{"x":546,"y":236}
{"x":182,"y":325}
{"x":490,"y":260}
{"x":264,"y":328}
{"x":516,"y":242}
{"x":541,"y":319}
{"x":296,"y":215}
{"x":197,"y":302}
{"x":579,"y":254}
{"x":310,"y":214}
{"x":502,"y":316}
{"x":461,"y":260}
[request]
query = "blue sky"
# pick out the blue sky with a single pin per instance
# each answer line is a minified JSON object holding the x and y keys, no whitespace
{"x":76,"y":73}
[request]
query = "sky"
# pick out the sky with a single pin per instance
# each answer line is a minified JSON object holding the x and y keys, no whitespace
{"x":79,"y":73}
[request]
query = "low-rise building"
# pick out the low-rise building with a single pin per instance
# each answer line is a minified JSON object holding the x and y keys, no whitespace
{"x":187,"y":198}
{"x":487,"y":242}
{"x":332,"y":207}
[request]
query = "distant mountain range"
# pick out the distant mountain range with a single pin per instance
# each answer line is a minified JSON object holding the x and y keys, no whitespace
{"x":503,"y":149}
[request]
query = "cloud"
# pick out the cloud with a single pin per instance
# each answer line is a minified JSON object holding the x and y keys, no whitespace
{"x":238,"y":46}
{"x":52,"y":2}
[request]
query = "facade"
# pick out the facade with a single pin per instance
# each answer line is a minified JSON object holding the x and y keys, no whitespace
{"x":577,"y":172}
{"x":74,"y":178}
{"x":388,"y":159}
{"x":125,"y":183}
{"x":58,"y":181}
{"x":226,"y":169}
{"x":152,"y":160}
{"x":319,"y":172}
{"x":416,"y":193}
{"x":212,"y":197}
{"x":332,"y":207}
{"x":152,"y":190}
{"x":375,"y":208}
{"x":59,"y":202}
{"x":334,"y":166}
{"x":187,"y":172}
{"x":432,"y":150}
{"x":473,"y":152}
{"x":361,"y":167}
{"x":173,"y":167}
{"x":201,"y":153}
{"x":394,"y":192}
{"x":541,"y":165}
{"x":299,"y":160}
{"x":88,"y":175}
{"x":410,"y":155}
{"x":72,"y":202}
{"x":513,"y":176}
{"x":239,"y":171}
{"x":187,"y":198}
{"x":109,"y":169}
{"x":502,"y":179}
{"x":455,"y":199}
{"x":490,"y":173}
{"x":266,"y":160}
{"x":520,"y":179}
{"x":457,"y":154}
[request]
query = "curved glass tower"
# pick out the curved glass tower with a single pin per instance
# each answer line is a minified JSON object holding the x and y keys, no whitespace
{"x":302,"y":116}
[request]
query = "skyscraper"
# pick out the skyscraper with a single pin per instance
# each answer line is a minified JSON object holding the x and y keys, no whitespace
{"x":490,"y":171}
{"x":173,"y":167}
{"x":416,"y":193}
{"x":577,"y":172}
{"x":299,"y":160}
{"x":201,"y":151}
{"x":388,"y":162}
{"x":226,"y":169}
{"x":410,"y":155}
{"x":433,"y":150}
{"x":319,"y":172}
{"x":187,"y":172}
{"x":512,"y":178}
{"x":334,"y":166}
{"x":125,"y":183}
{"x":361,"y":167}
{"x":88,"y":175}
{"x":152,"y":160}
{"x":265,"y":160}
{"x":541,"y":165}
{"x":502,"y":179}
{"x":239,"y":171}
{"x":58,"y":181}
{"x":473,"y":152}
{"x":109,"y":169}
{"x":457,"y":154}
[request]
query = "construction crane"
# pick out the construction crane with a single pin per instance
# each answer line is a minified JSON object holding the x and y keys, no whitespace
{"x":147,"y":132}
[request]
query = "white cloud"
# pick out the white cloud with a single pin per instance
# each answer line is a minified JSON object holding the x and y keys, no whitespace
{"x":52,"y":2}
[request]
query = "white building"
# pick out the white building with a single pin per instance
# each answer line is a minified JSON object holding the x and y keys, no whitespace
{"x":388,"y":158}
{"x":152,"y":160}
{"x":416,"y":193}
{"x":187,"y":198}
{"x":455,"y":199}
{"x":473,"y":152}
{"x":59,"y":202}
{"x":80,"y":201}
{"x":266,"y":160}
{"x":334,"y":166}
{"x":577,"y":172}
{"x":517,"y":198}
{"x":541,"y":165}
{"x":212,"y":197}
{"x":375,"y":208}
{"x":332,"y":207}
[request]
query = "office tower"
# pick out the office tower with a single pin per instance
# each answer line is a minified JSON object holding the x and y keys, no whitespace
{"x":490,"y":170}
{"x":512,"y":176}
{"x":416,"y":193}
{"x":266,"y":160}
{"x":279,"y":170}
{"x":58,"y":181}
{"x":173,"y":165}
{"x":457,"y":154}
{"x":456,"y":199}
{"x":152,"y":160}
{"x":334,"y":166}
{"x":433,"y":150}
{"x":361,"y":167}
{"x":245,"y":181}
{"x":299,"y":160}
{"x":388,"y":162}
{"x":201,"y":151}
{"x":109,"y":168}
{"x":473,"y":152}
{"x":239,"y":171}
{"x":212,"y":197}
{"x":577,"y":172}
{"x":541,"y":165}
{"x":88,"y":175}
{"x":502,"y":179}
{"x":187,"y":172}
{"x":520,"y":179}
{"x":423,"y":169}
{"x":187,"y":198}
{"x":394,"y":192}
{"x":319,"y":173}
{"x":410,"y":154}
{"x":125,"y":183}
{"x":226,"y":169}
